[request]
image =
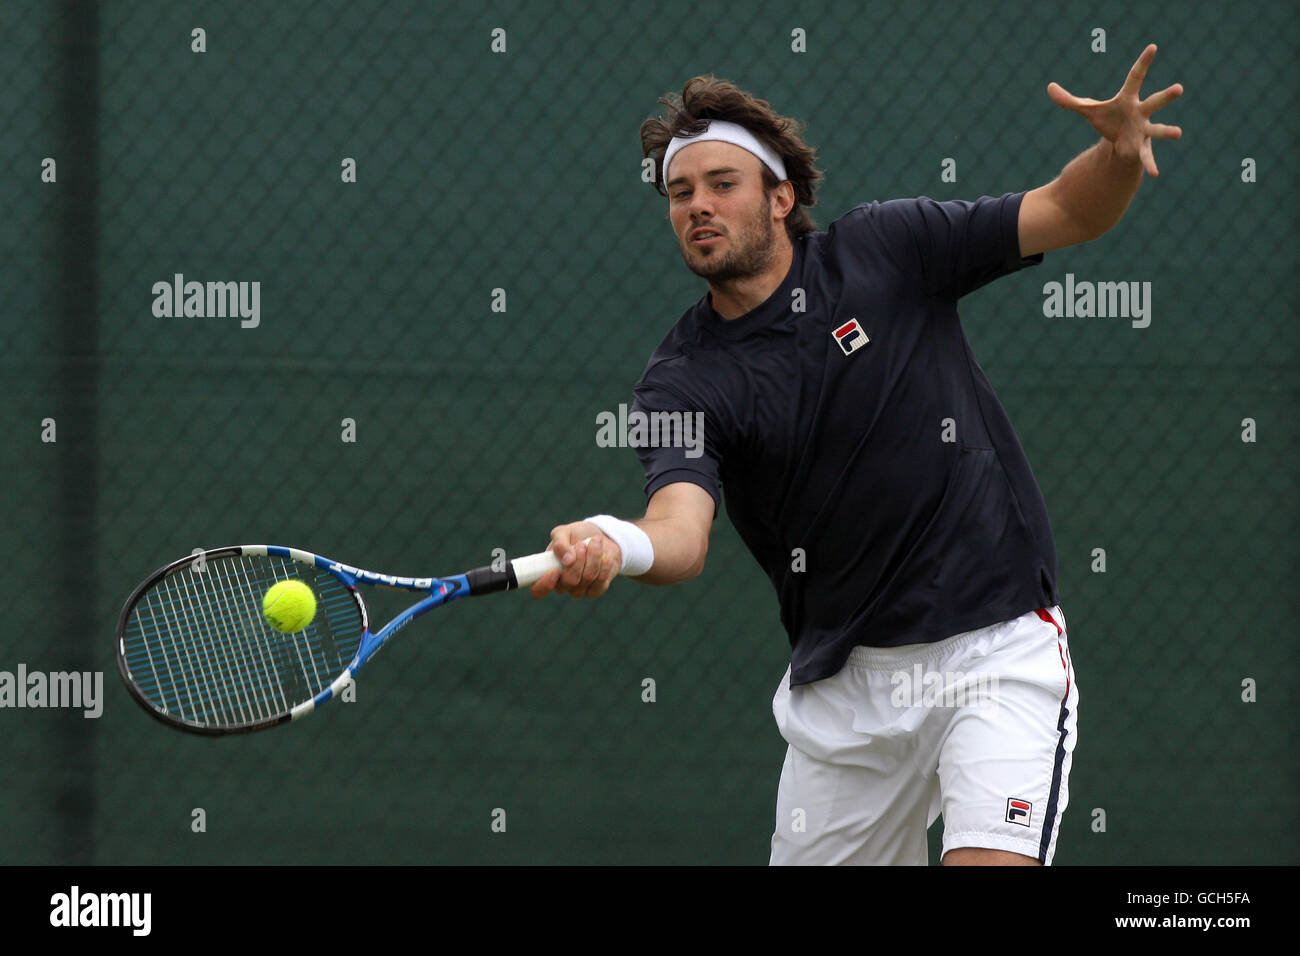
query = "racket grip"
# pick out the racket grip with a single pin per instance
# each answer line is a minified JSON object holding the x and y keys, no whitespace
{"x":532,"y":566}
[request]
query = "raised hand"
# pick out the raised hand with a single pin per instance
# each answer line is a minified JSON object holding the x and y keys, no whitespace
{"x":1123,"y":119}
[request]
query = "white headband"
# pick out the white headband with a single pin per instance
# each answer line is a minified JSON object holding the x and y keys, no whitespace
{"x":727,"y":132}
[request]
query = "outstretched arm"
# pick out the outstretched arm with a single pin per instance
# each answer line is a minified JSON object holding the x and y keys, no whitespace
{"x":678,"y":519}
{"x":1094,"y":190}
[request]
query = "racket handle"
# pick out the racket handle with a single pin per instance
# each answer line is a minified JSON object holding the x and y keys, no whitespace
{"x":532,"y":566}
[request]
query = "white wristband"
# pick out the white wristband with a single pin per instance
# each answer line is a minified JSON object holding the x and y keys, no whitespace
{"x":638,"y":552}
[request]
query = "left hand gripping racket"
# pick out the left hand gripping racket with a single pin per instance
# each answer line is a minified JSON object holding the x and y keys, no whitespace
{"x":196,"y":652}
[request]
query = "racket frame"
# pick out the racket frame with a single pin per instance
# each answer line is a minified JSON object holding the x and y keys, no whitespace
{"x":519,"y":572}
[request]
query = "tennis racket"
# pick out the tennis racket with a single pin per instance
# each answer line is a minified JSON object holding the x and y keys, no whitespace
{"x":197,"y":653}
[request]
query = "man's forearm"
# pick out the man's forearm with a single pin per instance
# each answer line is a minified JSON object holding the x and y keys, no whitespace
{"x":1096,"y":188}
{"x":679,"y":555}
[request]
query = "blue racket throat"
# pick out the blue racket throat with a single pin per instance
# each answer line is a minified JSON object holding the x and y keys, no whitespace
{"x":197,"y":653}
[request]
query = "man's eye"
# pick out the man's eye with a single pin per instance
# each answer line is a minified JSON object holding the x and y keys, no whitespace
{"x":681,"y":195}
{"x":725,"y":184}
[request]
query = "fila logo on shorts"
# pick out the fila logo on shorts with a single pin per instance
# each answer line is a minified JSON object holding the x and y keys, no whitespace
{"x":1019,"y":811}
{"x":850,"y":337}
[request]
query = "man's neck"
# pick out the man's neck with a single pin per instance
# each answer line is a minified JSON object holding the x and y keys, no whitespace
{"x":733,"y":299}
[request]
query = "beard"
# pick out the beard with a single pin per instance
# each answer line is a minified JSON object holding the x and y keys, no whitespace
{"x":749,"y":250}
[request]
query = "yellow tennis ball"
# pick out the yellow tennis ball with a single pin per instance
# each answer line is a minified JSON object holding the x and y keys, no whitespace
{"x":289,"y":606}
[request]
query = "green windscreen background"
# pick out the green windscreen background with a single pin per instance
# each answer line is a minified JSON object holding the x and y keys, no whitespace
{"x":436,"y":340}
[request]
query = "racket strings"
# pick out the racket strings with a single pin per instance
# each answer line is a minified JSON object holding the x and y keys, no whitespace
{"x":198,"y":646}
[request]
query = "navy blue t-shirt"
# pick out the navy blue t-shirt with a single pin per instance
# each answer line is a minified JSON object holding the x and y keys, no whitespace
{"x":862,"y":454}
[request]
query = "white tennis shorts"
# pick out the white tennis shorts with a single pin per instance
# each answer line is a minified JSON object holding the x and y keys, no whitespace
{"x":979,"y":727}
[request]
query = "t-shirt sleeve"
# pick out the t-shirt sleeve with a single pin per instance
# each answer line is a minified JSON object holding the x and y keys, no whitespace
{"x":675,"y":444}
{"x":953,"y":247}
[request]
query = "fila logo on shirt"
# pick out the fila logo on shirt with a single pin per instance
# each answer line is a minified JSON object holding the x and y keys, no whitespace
{"x":850,"y":337}
{"x":1018,"y":811}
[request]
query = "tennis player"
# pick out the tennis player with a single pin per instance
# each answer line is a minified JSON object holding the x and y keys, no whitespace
{"x":874,"y":475}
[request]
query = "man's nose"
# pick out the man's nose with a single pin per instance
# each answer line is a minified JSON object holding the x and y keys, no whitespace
{"x":701,"y":206}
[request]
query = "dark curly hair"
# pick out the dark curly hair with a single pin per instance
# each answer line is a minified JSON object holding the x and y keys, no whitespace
{"x":707,"y":97}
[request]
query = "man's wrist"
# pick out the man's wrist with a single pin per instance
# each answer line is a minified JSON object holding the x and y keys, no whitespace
{"x":634,"y":544}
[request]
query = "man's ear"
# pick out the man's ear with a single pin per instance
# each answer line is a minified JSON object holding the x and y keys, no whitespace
{"x":783,"y":199}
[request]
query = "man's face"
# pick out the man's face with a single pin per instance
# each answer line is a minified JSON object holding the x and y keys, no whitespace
{"x":720,"y":211}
